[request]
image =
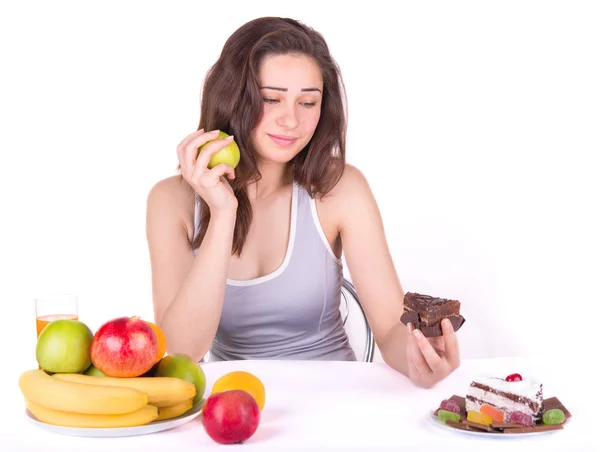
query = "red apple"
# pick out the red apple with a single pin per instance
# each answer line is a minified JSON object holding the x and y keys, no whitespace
{"x":230,"y":416}
{"x":124,"y":347}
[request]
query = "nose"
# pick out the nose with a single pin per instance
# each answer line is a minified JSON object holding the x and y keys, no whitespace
{"x":288,"y":117}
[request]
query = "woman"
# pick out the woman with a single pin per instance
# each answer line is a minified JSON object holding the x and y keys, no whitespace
{"x":246,"y":261}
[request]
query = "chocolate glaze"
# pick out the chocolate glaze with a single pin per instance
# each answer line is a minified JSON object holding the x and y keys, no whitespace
{"x":426,"y":312}
{"x":431,"y":330}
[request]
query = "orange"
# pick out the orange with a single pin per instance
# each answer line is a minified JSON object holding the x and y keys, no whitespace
{"x":161,"y":339}
{"x":242,"y":380}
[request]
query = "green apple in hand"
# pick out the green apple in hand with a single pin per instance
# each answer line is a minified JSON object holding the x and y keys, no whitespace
{"x":229,"y":155}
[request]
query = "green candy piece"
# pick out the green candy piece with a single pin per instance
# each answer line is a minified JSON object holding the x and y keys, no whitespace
{"x":554,"y":416}
{"x":444,"y":415}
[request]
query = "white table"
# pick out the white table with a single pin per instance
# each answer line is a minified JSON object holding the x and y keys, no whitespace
{"x":344,"y":406}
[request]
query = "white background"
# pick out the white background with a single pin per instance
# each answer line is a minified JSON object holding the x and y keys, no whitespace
{"x":476,"y":123}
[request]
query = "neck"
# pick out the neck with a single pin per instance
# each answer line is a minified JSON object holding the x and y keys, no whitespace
{"x":274,"y":177}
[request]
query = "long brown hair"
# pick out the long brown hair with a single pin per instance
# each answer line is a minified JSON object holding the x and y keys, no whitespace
{"x":231,"y":102}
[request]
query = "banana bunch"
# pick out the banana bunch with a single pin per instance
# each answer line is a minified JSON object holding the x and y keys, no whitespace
{"x":77,"y":400}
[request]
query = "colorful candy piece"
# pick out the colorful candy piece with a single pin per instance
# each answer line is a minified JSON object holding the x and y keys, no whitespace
{"x":450,"y":405}
{"x":493,"y":412}
{"x":554,"y":416}
{"x":444,"y":415}
{"x":514,"y":377}
{"x":478,"y":417}
{"x":518,"y":417}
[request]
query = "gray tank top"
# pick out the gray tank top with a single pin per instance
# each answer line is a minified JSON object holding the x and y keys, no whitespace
{"x":293,"y":312}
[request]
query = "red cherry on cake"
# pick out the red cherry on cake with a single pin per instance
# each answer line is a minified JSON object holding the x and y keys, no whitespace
{"x":514,"y":377}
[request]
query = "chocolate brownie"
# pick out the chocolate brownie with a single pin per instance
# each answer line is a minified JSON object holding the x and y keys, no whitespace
{"x":426,"y":312}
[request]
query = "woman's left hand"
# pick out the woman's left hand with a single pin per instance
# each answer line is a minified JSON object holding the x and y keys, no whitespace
{"x":430,"y":360}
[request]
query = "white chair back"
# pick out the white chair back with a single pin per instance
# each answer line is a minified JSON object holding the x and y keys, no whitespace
{"x":356,"y":323}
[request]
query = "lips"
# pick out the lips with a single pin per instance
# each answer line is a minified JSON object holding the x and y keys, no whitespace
{"x":282,"y":140}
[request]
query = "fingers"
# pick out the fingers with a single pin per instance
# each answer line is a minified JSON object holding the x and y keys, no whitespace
{"x":187,"y":150}
{"x":191,"y":148}
{"x":209,"y":178}
{"x":451,"y":344}
{"x":427,"y":352}
{"x":211,"y":149}
{"x":410,"y":351}
{"x":181,"y":148}
{"x":221,"y":169}
{"x":229,"y":170}
{"x":416,"y":355}
{"x":423,"y":357}
{"x":189,"y":138}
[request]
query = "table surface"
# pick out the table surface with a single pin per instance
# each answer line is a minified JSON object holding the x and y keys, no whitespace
{"x":342,"y":406}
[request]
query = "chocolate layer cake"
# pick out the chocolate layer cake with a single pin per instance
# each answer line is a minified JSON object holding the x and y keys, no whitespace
{"x":507,"y":396}
{"x":426,"y":312}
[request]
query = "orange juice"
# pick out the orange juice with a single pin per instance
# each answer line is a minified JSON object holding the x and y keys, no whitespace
{"x":41,"y":322}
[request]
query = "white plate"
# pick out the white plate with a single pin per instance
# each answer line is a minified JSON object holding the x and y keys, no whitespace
{"x":435,"y":421}
{"x":153,"y":427}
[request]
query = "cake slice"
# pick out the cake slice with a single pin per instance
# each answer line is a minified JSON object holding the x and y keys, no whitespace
{"x":507,"y":396}
{"x":426,"y":312}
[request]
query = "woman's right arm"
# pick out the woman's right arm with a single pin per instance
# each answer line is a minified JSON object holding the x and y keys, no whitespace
{"x":188,"y":290}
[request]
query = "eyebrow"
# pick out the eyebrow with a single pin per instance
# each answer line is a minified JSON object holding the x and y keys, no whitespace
{"x":276,"y":88}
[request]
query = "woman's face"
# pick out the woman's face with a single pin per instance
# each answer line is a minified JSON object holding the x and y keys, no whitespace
{"x":292,"y":89}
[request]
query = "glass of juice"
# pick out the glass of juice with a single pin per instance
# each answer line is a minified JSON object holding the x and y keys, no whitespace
{"x":51,"y":307}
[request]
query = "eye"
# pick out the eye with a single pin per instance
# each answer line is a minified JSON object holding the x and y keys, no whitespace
{"x":309,"y":104}
{"x":270,"y":101}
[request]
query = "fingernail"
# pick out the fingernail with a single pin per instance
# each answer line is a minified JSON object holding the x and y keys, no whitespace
{"x":229,"y":138}
{"x":201,"y":130}
{"x":447,"y":323}
{"x":410,"y":327}
{"x":418,"y":334}
{"x":214,"y":131}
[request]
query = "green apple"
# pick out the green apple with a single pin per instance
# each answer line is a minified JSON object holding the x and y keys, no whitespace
{"x":94,"y":371}
{"x":64,"y":347}
{"x":179,"y":365}
{"x":229,"y":155}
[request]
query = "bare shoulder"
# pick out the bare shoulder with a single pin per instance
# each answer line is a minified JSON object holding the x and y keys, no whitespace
{"x":171,"y":193}
{"x":351,"y":185}
{"x":353,"y":182}
{"x":352,"y":193}
{"x":174,"y":187}
{"x":172,"y":198}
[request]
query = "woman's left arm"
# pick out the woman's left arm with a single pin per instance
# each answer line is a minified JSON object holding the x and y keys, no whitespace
{"x":424,"y":361}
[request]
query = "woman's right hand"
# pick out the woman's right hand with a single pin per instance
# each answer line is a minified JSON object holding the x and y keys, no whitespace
{"x":210,"y":184}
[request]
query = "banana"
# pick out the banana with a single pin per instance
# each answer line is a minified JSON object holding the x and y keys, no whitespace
{"x":169,"y":412}
{"x":143,"y":416}
{"x":56,"y":394}
{"x":161,"y":391}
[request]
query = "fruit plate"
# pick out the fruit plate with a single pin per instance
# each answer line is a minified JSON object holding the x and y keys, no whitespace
{"x":153,"y":427}
{"x":510,"y":431}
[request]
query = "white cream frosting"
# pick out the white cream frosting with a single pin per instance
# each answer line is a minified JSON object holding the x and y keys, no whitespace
{"x":500,"y":402}
{"x":527,"y":388}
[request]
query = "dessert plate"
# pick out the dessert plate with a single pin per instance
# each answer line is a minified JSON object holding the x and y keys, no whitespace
{"x":153,"y":427}
{"x":503,"y":431}
{"x":433,"y":419}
